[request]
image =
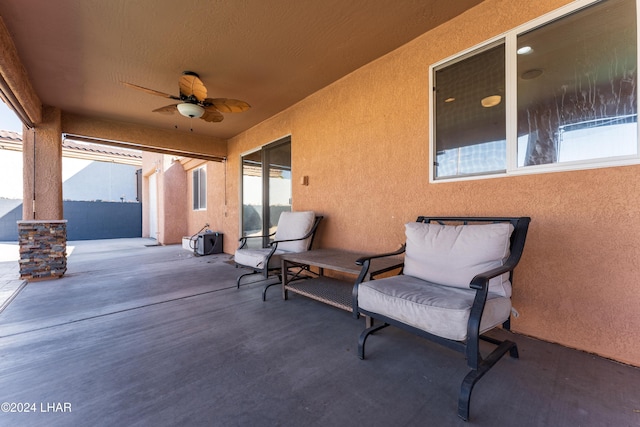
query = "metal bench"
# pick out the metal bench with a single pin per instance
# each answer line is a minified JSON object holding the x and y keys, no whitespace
{"x":455,"y":286}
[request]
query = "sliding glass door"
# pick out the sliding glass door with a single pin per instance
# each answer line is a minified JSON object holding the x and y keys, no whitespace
{"x":266,"y":190}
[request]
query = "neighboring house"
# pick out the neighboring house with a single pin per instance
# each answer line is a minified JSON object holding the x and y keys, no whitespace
{"x":181,"y":196}
{"x":100,"y":189}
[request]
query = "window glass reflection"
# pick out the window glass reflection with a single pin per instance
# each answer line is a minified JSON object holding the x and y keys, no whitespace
{"x":577,"y":81}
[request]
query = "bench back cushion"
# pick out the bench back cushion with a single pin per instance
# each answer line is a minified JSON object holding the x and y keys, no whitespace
{"x":453,"y":255}
{"x":294,"y":225}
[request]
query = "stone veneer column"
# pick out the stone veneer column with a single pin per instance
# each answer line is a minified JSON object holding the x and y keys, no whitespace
{"x":43,"y":247}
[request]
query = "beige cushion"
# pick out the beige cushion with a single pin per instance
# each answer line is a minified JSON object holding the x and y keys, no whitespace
{"x":453,"y":255}
{"x":293,"y":225}
{"x":255,"y":257}
{"x":440,"y":310}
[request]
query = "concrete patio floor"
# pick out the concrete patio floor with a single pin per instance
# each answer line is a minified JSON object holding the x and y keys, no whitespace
{"x":153,"y":336}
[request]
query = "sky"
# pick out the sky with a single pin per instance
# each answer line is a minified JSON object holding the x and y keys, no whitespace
{"x":11,"y":161}
{"x":9,"y":120}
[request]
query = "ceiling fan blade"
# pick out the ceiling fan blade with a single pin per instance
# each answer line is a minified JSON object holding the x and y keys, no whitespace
{"x":212,"y":115}
{"x":190,"y":84}
{"x":167,"y":109}
{"x":228,"y":105}
{"x":150,"y":91}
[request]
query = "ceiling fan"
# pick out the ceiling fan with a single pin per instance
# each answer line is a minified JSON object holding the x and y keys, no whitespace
{"x":194,"y":102}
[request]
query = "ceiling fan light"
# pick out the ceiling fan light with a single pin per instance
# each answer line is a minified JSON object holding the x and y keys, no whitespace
{"x":193,"y":111}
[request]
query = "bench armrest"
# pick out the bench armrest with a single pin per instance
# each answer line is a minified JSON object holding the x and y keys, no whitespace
{"x":362,"y":260}
{"x":306,"y":236}
{"x":243,"y":240}
{"x":310,"y":234}
{"x":365,"y":262}
{"x":481,"y":280}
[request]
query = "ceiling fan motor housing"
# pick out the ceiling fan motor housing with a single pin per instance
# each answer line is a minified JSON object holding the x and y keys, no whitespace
{"x":191,"y":99}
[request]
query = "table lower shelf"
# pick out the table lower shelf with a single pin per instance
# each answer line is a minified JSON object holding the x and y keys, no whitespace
{"x":337,"y":293}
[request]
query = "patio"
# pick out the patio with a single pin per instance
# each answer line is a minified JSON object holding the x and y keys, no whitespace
{"x":139,"y":335}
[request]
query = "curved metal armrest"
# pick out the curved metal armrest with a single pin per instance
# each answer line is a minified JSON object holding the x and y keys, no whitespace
{"x":481,"y":280}
{"x":362,"y":260}
{"x":243,"y":240}
{"x":481,"y":285}
{"x":275,"y":242}
{"x":365,"y":262}
{"x":310,"y":233}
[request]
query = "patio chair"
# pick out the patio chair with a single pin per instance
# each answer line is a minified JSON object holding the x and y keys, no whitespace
{"x":295,"y":233}
{"x":454,"y":287}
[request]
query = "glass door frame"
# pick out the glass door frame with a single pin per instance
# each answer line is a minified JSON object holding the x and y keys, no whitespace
{"x":265,"y":156}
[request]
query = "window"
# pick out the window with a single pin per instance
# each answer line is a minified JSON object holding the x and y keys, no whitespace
{"x":557,"y":94}
{"x":471,"y":92}
{"x":200,"y":188}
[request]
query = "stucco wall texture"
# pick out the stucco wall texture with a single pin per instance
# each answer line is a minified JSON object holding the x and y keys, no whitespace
{"x":43,"y":166}
{"x":214,"y":214}
{"x":174,"y":198}
{"x":364,"y":144}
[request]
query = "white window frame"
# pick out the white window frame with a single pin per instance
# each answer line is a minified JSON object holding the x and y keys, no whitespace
{"x":197,"y":176}
{"x":511,"y":88}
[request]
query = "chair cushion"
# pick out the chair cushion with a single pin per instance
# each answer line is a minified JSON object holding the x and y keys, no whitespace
{"x":453,"y":255}
{"x":293,"y":225}
{"x":440,"y":310}
{"x":255,"y":258}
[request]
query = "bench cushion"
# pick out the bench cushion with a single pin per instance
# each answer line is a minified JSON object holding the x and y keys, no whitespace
{"x":453,"y":255}
{"x":440,"y":310}
{"x":255,"y":257}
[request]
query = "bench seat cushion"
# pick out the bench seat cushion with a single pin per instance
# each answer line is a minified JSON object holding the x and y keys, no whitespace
{"x":440,"y":310}
{"x":255,"y":257}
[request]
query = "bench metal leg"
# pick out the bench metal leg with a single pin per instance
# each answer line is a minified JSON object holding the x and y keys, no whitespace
{"x":474,"y":376}
{"x":264,"y":291}
{"x":240,"y":278}
{"x":365,"y":334}
{"x":513,"y":352}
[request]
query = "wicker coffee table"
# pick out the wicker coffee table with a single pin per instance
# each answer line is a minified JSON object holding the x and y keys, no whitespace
{"x":329,"y":290}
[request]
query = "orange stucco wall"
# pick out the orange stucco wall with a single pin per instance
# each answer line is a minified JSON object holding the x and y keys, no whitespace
{"x":215,"y":213}
{"x":175,"y":197}
{"x":363,"y":142}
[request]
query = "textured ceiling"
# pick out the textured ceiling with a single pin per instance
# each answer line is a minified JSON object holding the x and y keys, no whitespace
{"x":270,"y":53}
